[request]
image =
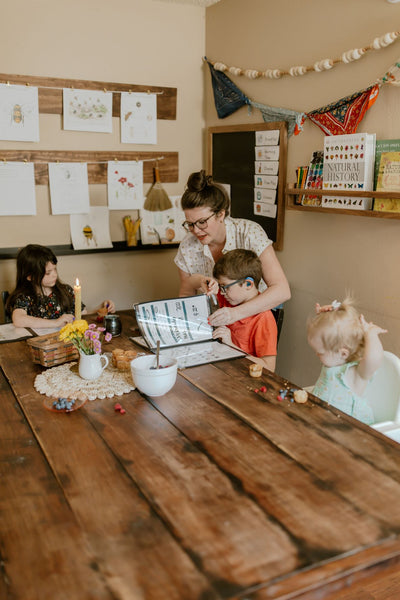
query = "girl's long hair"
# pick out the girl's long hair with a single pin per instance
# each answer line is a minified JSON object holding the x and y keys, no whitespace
{"x":31,"y":262}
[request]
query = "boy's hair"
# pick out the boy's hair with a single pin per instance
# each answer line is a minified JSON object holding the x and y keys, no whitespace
{"x":202,"y":191}
{"x":340,"y":328}
{"x":239,"y":264}
{"x":31,"y":262}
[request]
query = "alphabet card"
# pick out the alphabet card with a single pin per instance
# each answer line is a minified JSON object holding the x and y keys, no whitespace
{"x":19,"y":113}
{"x":125,"y":185}
{"x":138,"y":118}
{"x":87,"y":110}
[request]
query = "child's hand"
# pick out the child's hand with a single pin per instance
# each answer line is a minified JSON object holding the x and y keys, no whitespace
{"x":371,"y":327}
{"x":64,"y":320}
{"x":223,"y":334}
{"x":109,"y":305}
{"x":209,"y":286}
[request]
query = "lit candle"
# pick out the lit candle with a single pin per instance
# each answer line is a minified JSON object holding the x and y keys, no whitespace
{"x":77,"y":294}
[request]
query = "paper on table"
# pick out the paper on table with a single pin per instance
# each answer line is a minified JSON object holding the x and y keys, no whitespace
{"x":45,"y":330}
{"x":10,"y":333}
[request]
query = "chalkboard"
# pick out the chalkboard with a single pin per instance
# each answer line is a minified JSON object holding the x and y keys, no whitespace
{"x":231,"y":160}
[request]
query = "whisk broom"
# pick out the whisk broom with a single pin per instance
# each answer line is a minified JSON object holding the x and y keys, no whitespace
{"x":157,"y":198}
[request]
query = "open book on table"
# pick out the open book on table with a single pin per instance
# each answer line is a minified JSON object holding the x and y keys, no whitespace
{"x":181,"y":325}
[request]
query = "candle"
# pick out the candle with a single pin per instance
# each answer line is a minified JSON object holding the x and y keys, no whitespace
{"x":77,"y":294}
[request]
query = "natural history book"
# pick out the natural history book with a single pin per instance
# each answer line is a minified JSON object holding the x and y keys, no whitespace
{"x":348,"y":165}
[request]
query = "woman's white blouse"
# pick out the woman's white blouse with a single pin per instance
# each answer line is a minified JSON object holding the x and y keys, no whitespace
{"x":193,"y":257}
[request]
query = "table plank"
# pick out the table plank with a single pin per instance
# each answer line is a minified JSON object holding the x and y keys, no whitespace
{"x":127,"y":538}
{"x":43,"y":550}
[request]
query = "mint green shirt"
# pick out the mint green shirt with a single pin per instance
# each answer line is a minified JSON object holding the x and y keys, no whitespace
{"x":332,"y":387}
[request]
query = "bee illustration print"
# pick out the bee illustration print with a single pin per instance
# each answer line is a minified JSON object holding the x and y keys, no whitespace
{"x":89,"y":235}
{"x":17,"y":116}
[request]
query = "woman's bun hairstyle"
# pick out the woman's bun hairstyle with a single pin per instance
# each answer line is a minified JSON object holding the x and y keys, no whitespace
{"x":202,"y":191}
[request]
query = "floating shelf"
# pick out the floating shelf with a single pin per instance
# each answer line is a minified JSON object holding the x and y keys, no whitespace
{"x":292,"y":191}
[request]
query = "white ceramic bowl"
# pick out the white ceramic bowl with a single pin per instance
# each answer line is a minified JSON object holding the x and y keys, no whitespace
{"x":154,"y":382}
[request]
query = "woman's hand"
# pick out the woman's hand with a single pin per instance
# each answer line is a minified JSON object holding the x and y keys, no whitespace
{"x":222,"y":316}
{"x":223,"y":334}
{"x":209,"y":286}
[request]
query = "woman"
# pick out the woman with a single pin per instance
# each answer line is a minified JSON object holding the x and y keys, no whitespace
{"x":211,"y":233}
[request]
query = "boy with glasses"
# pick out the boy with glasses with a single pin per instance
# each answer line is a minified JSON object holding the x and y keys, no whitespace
{"x":237,"y":276}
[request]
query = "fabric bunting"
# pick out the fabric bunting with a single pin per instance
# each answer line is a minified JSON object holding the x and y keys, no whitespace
{"x":227,"y":97}
{"x":294,"y":119}
{"x":345,"y":115}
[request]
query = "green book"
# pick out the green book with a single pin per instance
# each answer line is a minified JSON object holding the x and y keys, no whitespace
{"x":383,"y":146}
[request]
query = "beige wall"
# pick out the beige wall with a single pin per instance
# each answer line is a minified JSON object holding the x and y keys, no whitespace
{"x":127,"y":41}
{"x":323,"y":254}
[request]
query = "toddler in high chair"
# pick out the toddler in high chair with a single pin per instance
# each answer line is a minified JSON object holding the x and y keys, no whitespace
{"x":350,"y":351}
{"x":39,"y":295}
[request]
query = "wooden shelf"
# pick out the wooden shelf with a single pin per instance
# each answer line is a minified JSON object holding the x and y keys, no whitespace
{"x":291,"y":192}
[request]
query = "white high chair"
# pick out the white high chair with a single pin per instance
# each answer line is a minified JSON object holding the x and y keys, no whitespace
{"x":383,"y":395}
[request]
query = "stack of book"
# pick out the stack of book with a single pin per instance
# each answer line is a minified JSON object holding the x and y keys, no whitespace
{"x":387,"y":174}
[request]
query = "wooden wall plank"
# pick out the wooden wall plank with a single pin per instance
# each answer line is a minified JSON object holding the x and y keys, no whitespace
{"x":97,"y":167}
{"x":50,"y":92}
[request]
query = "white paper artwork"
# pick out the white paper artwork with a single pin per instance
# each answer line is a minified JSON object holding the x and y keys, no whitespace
{"x":164,"y":226}
{"x":138,"y":118}
{"x":92,"y":230}
{"x":125,"y":185}
{"x":17,"y":189}
{"x":19,"y":113}
{"x":87,"y":110}
{"x":69,"y":188}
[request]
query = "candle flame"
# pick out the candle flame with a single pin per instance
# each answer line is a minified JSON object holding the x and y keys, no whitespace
{"x":77,"y":281}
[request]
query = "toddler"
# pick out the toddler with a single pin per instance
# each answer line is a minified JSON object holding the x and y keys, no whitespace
{"x":350,"y":351}
{"x":238,"y":274}
{"x":39,"y":295}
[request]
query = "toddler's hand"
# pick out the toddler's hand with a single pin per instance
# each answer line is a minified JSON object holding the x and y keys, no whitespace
{"x":223,"y":334}
{"x":371,"y":327}
{"x":64,"y":320}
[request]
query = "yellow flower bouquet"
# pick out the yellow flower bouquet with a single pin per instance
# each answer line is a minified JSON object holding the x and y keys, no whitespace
{"x":86,"y":338}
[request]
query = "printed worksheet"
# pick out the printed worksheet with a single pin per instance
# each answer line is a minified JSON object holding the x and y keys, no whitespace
{"x":125,"y":185}
{"x":19,"y":113}
{"x":138,"y":118}
{"x":17,"y":189}
{"x":69,"y":188}
{"x":10,"y":333}
{"x":87,"y":110}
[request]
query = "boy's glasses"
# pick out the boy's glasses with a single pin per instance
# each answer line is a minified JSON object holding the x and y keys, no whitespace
{"x":200,"y":223}
{"x":223,"y":288}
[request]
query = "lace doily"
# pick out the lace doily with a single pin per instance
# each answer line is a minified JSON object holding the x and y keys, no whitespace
{"x":64,"y":381}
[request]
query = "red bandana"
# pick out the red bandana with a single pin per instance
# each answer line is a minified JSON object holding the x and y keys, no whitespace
{"x":345,"y":115}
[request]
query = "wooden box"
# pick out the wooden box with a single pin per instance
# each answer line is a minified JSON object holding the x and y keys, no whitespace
{"x":49,"y":351}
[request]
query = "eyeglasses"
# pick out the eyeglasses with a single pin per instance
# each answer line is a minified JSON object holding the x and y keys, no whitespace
{"x":200,"y":223}
{"x":223,"y":288}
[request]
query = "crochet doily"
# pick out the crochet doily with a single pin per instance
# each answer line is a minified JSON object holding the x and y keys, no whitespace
{"x":64,"y":381}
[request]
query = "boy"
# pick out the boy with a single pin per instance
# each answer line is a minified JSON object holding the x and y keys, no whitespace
{"x":239,"y":273}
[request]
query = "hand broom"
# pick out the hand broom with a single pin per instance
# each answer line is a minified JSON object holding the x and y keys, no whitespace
{"x":156,"y":197}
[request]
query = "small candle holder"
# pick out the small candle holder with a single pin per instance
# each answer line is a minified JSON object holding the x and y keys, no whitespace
{"x":113,"y":324}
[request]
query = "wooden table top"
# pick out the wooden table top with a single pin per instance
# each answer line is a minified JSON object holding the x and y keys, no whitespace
{"x":212,"y":491}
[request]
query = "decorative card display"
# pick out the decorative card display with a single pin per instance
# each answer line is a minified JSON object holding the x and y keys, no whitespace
{"x":164,"y":226}
{"x":19,"y":113}
{"x":69,"y":188}
{"x":92,"y":230}
{"x":266,"y":181}
{"x":267,"y":152}
{"x":266,"y":167}
{"x":138,"y":118}
{"x":268,"y":137}
{"x":17,"y":189}
{"x":348,"y":165}
{"x":265,"y":195}
{"x":265,"y":210}
{"x":87,"y":110}
{"x":125,"y":185}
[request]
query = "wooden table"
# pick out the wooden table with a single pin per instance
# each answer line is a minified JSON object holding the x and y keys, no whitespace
{"x":213,"y":491}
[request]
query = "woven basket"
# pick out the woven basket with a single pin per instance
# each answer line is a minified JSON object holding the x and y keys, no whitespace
{"x":48,"y":350}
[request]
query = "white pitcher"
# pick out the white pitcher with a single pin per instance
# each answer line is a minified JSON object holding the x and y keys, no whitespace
{"x":90,"y":365}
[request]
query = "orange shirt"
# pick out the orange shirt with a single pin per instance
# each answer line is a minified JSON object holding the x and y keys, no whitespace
{"x":255,"y":335}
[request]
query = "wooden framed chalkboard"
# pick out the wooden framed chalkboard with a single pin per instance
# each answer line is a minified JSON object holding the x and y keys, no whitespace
{"x":232,"y":160}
